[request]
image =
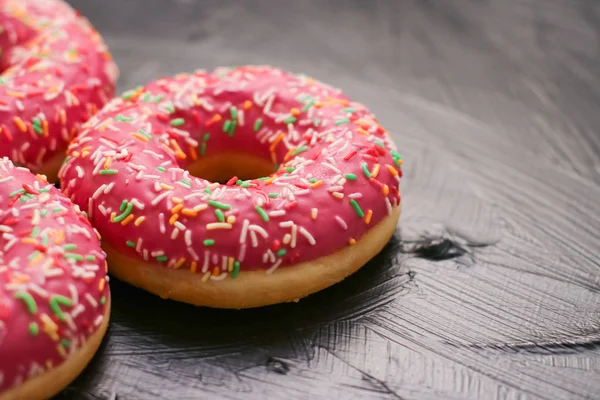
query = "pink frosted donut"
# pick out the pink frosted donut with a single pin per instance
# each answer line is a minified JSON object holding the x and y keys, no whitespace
{"x":54,"y":296}
{"x":308,"y":187}
{"x":56,"y":74}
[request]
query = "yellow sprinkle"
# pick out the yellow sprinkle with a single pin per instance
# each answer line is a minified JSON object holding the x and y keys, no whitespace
{"x":107,"y":162}
{"x":166,"y":187}
{"x":338,"y":195}
{"x":189,"y":212}
{"x":363,"y":132}
{"x":200,"y":207}
{"x":49,"y":327}
{"x":247,"y":104}
{"x":61,"y":350}
{"x":375,"y":171}
{"x":231,"y":219}
{"x":368,"y":217}
{"x":139,"y":221}
{"x":206,"y":276}
{"x":176,"y":200}
{"x":230,"y":266}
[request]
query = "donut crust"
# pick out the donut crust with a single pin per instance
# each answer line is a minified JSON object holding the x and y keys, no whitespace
{"x":50,"y":383}
{"x":254,"y":288}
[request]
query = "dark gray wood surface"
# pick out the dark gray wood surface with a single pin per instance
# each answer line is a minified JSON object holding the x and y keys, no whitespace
{"x":491,"y":287}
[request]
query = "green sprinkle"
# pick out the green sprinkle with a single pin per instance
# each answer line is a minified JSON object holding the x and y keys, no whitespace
{"x":90,"y":258}
{"x":161,"y":169}
{"x":239,"y":182}
{"x":206,"y":137}
{"x":246,"y":184}
{"x":262,"y":213}
{"x":357,"y":208}
{"x":44,"y":212}
{"x":186,"y":183}
{"x":122,"y":118}
{"x":233,"y":112}
{"x":33,"y":255}
{"x":65,"y":342}
{"x":349,"y":110}
{"x":351,"y":177}
{"x":56,"y":301}
{"x":130,"y":243}
{"x":35,"y":232}
{"x":2,"y":81}
{"x":232,"y":128}
{"x":108,"y":172}
{"x":170,"y":107}
{"x":219,"y":205}
{"x":289,"y":120}
{"x":299,"y":150}
{"x":273,"y":195}
{"x":379,"y":143}
{"x":158,"y":98}
{"x":146,"y":98}
{"x":45,"y":240}
{"x":128,"y":94}
{"x":219,"y":215}
{"x":123,"y":205}
{"x":33,"y":329}
{"x":36,"y":127}
{"x":203,"y":148}
{"x":366,"y":170}
{"x":281,"y":253}
{"x":125,"y":213}
{"x":312,"y":180}
{"x":16,"y":192}
{"x":226,"y":126}
{"x":257,"y":124}
{"x":290,"y":169}
{"x":178,"y":122}
{"x":44,"y":190}
{"x":316,"y":122}
{"x":145,"y":134}
{"x":57,"y":209}
{"x":236,"y":270}
{"x":342,"y":121}
{"x":70,"y":246}
{"x":74,"y":256}
{"x":102,"y":300}
{"x":207,"y":190}
{"x":308,"y":105}
{"x":29,"y":301}
{"x":209,"y":242}
{"x":162,"y":258}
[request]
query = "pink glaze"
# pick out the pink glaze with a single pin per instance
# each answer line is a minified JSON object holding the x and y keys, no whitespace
{"x":338,"y":177}
{"x":56,"y":74}
{"x":53,"y":283}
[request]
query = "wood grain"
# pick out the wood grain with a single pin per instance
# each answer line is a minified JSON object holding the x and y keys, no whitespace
{"x":490,"y":288}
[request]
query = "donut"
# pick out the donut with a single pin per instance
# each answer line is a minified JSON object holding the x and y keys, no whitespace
{"x":241,"y":187}
{"x":54,"y":294}
{"x":56,"y":73}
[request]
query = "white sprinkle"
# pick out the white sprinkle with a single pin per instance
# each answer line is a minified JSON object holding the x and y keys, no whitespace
{"x":188,"y":237}
{"x":91,"y":300}
{"x":159,"y":198}
{"x":206,"y":261}
{"x":260,"y":230}
{"x":242,"y":254}
{"x":308,"y":236}
{"x":192,"y":252}
{"x":244,"y":231}
{"x":277,"y":213}
{"x":174,"y":234}
{"x":286,"y":224}
{"x":388,"y":205}
{"x":274,"y":267}
{"x":341,"y":222}
{"x":294,"y":230}
{"x":254,"y":239}
{"x":161,"y":223}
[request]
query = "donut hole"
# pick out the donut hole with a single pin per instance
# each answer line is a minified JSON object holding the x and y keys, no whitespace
{"x":222,"y":167}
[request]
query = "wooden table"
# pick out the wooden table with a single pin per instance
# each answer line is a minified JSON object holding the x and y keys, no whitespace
{"x":490,"y":288}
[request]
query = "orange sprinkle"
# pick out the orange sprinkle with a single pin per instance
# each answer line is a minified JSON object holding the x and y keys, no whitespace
{"x":25,"y":278}
{"x":45,"y":128}
{"x":288,"y":154}
{"x":176,"y":200}
{"x":375,"y":171}
{"x":179,"y":263}
{"x":107,"y":162}
{"x":18,"y":95}
{"x":28,"y":241}
{"x":216,"y":118}
{"x":61,"y":235}
{"x":338,"y":195}
{"x":277,"y":140}
{"x":391,"y":169}
{"x":61,"y":350}
{"x":177,"y":208}
{"x":141,"y":137}
{"x":63,"y":117}
{"x":193,"y":153}
{"x":295,"y":112}
{"x":385,"y":190}
{"x":127,"y":219}
{"x":188,"y":212}
{"x":247,"y":104}
{"x":139,"y":221}
{"x":181,"y":155}
{"x":20,"y":124}
{"x":166,"y":187}
{"x":216,"y":271}
{"x":101,"y":284}
{"x":173,"y":218}
{"x":363,"y":132}
{"x":352,"y":241}
{"x":368,"y":217}
{"x":193,"y":267}
{"x":316,"y":184}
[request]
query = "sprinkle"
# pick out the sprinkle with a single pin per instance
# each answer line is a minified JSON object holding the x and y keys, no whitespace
{"x":177,"y":122}
{"x":368,"y":217}
{"x":162,"y":258}
{"x":352,"y":241}
{"x":130,"y":243}
{"x":289,"y":120}
{"x":219,"y":205}
{"x":365,"y":169}
{"x":313,"y":213}
{"x":219,"y":215}
{"x":33,"y":329}
{"x":125,"y":213}
{"x":308,"y":236}
{"x":20,"y":124}
{"x":56,"y":301}
{"x":108,"y":172}
{"x":351,"y":177}
{"x":257,"y":124}
{"x":299,"y":150}
{"x":218,"y":225}
{"x":209,"y":242}
{"x":281,"y":252}
{"x":342,"y":121}
{"x":262,"y":213}
{"x":236,"y":270}
{"x":29,"y":301}
{"x":357,"y":208}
